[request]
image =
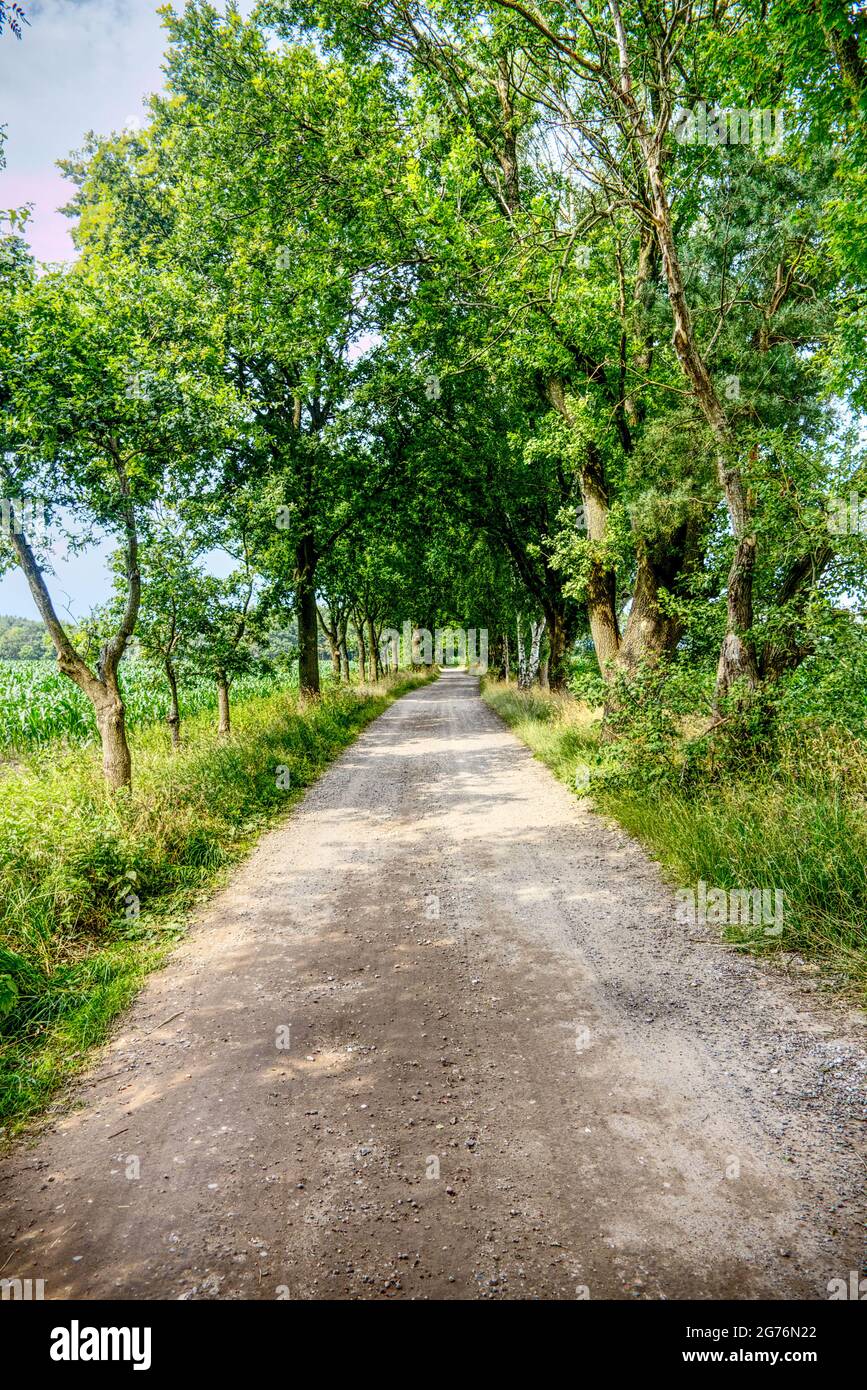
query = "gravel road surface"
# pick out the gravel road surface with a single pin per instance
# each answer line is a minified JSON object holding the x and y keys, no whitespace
{"x":442,"y":1037}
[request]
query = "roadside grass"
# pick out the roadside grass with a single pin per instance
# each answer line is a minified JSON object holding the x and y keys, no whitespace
{"x":95,"y":890}
{"x":797,"y":823}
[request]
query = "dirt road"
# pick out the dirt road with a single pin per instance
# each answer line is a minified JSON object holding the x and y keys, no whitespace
{"x":442,"y":1038}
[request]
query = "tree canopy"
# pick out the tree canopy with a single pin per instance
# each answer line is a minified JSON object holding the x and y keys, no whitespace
{"x":540,"y":319}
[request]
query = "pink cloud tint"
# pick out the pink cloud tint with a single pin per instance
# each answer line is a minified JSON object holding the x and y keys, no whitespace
{"x":48,"y":231}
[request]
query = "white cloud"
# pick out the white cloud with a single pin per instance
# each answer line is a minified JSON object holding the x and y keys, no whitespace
{"x":82,"y":65}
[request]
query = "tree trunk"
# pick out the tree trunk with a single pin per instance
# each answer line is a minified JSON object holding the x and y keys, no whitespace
{"x":344,"y":652}
{"x":111,"y":723}
{"x":374,"y":651}
{"x":332,"y":632}
{"x":557,"y":645}
{"x":536,"y":631}
{"x":308,"y":629}
{"x":601,"y":591}
{"x":602,"y":616}
{"x":792,"y":645}
{"x":602,"y":582}
{"x":362,"y":651}
{"x":528,"y":663}
{"x":224,"y":721}
{"x":505,"y":658}
{"x":173,"y":718}
{"x":523,"y":682}
{"x":737,"y":660}
{"x":101,"y":689}
{"x":650,"y":633}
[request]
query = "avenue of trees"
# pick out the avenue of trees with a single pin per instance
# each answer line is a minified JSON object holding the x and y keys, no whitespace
{"x":544,"y":318}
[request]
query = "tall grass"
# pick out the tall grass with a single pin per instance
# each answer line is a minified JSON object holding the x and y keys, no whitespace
{"x":94,"y":889}
{"x":797,"y":822}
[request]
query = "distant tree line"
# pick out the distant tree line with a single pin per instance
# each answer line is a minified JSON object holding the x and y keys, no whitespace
{"x":23,"y":639}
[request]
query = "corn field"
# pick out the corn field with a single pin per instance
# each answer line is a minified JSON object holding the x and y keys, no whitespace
{"x":38,"y":705}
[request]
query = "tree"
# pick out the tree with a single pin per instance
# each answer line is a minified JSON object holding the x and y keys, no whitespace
{"x":173,"y":607}
{"x":106,"y":407}
{"x":12,"y":15}
{"x":508,"y":346}
{"x":294,"y":146}
{"x":223,"y":648}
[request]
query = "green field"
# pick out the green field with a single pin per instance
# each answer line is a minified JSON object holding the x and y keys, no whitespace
{"x":39,"y":705}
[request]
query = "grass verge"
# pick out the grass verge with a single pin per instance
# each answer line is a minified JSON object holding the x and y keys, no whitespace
{"x":95,"y":890}
{"x":798,"y":824}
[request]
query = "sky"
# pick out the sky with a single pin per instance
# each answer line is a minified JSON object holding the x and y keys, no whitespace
{"x":82,"y":65}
